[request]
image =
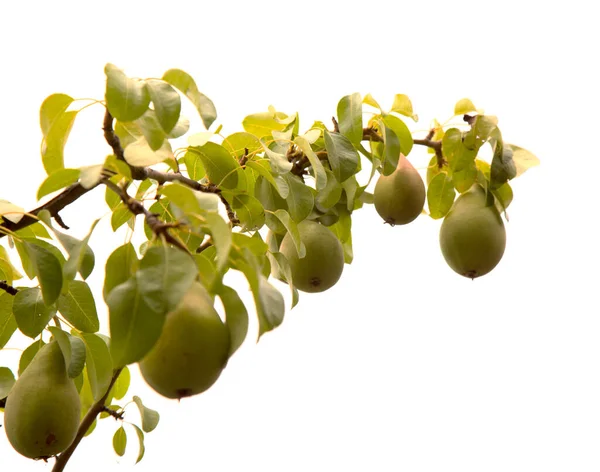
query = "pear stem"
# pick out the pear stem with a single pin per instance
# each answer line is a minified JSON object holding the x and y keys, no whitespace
{"x":88,"y":420}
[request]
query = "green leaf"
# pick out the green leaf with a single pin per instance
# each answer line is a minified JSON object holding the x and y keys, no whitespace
{"x":121,"y":386}
{"x":127,"y":99}
{"x":120,"y":441}
{"x":29,"y":353}
{"x":7,"y":380}
{"x":152,"y":130}
{"x":57,"y":180}
{"x":8,"y":324}
{"x":189,"y":200}
{"x":401,"y":131}
{"x":47,"y":268}
{"x":221,"y":237}
{"x":283,"y":272}
{"x":369,"y":100}
{"x":270,"y":306}
{"x":73,"y":351}
{"x":236,"y":316}
{"x":464,"y":106}
{"x":349,"y":111}
{"x":440,"y":195}
{"x":248,"y":209}
{"x":150,"y":417}
{"x":403,"y":106}
{"x":341,"y":154}
{"x":140,"y":436}
{"x":8,"y":272}
{"x":30,"y":312}
{"x":51,"y":110}
{"x":221,"y":167}
{"x":292,"y":228}
{"x":53,"y":143}
{"x":140,"y":153}
{"x":134,"y":325}
{"x":278,"y":183}
{"x":237,"y":143}
{"x":504,"y":197}
{"x":263,"y":124}
{"x":193,"y":164}
{"x":503,"y":167}
{"x":458,"y":155}
{"x":206,"y":270}
{"x":81,"y":257}
{"x":465,"y":178}
{"x":79,"y":308}
{"x":184,"y":82}
{"x":120,"y":216}
{"x":391,"y":149}
{"x":36,"y":230}
{"x":120,"y":266}
{"x":522,"y":158}
{"x":278,"y":161}
{"x":330,"y":195}
{"x":300,"y":201}
{"x":165,"y":275}
{"x":99,"y":364}
{"x":167,"y":103}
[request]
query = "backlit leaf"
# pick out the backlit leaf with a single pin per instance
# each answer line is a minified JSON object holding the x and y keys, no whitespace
{"x":236,"y":316}
{"x":167,"y":103}
{"x":184,"y":82}
{"x":59,"y":179}
{"x":150,"y":417}
{"x":8,"y":324}
{"x":30,"y":312}
{"x":78,"y":307}
{"x":349,"y":112}
{"x":440,"y":195}
{"x":127,"y":99}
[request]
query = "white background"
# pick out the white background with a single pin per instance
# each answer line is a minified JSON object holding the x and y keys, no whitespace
{"x":403,"y":365}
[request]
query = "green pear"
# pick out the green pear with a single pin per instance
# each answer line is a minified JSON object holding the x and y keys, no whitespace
{"x":192,"y":350}
{"x":399,"y":197}
{"x":322,"y":266}
{"x":472,"y":235}
{"x":42,"y":411}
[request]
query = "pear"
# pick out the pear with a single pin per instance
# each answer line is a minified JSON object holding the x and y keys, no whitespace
{"x":472,"y":235}
{"x":42,"y":411}
{"x":192,"y":350}
{"x":399,"y":197}
{"x":322,"y":266}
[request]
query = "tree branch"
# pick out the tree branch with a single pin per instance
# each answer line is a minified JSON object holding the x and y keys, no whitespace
{"x":435,"y":145}
{"x":8,"y":288}
{"x":88,"y":420}
{"x":137,"y":208}
{"x":63,"y":199}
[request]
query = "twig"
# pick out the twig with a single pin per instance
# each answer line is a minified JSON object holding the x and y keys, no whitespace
{"x":63,"y":199}
{"x":115,"y":414}
{"x":435,"y":145}
{"x":88,"y":420}
{"x":137,"y":208}
{"x":8,"y":288}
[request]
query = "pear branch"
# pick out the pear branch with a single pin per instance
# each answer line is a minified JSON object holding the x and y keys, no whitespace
{"x":137,"y":208}
{"x":86,"y":422}
{"x":8,"y":288}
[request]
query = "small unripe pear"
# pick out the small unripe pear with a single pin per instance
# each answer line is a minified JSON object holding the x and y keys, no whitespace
{"x":43,"y":410}
{"x":322,"y":266}
{"x":192,"y":350}
{"x":399,"y":197}
{"x":472,"y":235}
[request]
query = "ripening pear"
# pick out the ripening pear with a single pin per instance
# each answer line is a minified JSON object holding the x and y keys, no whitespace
{"x":322,"y":266}
{"x":192,"y":350}
{"x":399,"y":197}
{"x":42,"y":410}
{"x":472,"y":236}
